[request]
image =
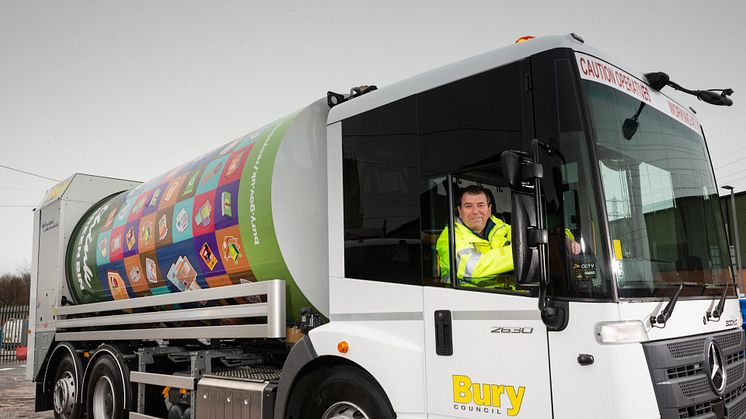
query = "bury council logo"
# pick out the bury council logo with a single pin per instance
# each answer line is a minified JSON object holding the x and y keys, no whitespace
{"x":486,"y":398}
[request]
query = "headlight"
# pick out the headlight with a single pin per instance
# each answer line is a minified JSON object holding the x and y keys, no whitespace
{"x":630,"y":331}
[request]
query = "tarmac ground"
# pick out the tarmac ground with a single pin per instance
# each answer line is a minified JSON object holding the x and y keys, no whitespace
{"x":17,"y":394}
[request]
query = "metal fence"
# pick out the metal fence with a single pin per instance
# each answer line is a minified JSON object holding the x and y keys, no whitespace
{"x":13,"y":334}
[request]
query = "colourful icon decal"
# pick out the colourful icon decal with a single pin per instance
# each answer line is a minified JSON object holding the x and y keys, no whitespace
{"x":208,"y":257}
{"x":231,"y":249}
{"x":211,"y":173}
{"x":226,"y":209}
{"x":116,"y":244}
{"x":191,"y":185}
{"x":130,"y":237}
{"x":110,"y":218}
{"x":233,"y":164}
{"x":135,"y":275}
{"x":171,"y":191}
{"x":137,"y":207}
{"x":162,"y":227}
{"x":103,"y":247}
{"x":226,"y":206}
{"x":146,"y":232}
{"x":116,"y":285}
{"x":182,"y":274}
{"x":182,"y":220}
{"x":150,"y":270}
{"x":154,"y":199}
{"x":202,"y":217}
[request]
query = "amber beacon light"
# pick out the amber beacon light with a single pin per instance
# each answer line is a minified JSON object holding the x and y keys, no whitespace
{"x":524,"y":39}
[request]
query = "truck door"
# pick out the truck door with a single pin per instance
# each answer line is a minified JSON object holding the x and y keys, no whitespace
{"x":485,"y":342}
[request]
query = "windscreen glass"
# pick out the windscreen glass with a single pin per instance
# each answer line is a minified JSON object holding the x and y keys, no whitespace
{"x":660,"y":197}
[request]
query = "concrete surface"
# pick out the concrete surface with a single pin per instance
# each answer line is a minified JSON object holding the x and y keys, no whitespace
{"x":17,"y":394}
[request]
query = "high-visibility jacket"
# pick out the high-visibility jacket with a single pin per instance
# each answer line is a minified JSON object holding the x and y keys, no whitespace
{"x":479,"y":259}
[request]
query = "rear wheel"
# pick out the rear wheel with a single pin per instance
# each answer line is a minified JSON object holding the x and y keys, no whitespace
{"x":65,"y":390}
{"x":105,"y":394}
{"x":347,"y":392}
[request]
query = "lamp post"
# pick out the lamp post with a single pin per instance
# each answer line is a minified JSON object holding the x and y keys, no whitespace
{"x":734,"y":228}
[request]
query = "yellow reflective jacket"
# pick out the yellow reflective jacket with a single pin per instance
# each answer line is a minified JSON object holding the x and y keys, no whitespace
{"x":478,"y":259}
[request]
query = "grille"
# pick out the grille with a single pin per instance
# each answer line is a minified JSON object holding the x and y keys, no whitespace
{"x":701,"y":386}
{"x":735,"y":410}
{"x":739,"y":409}
{"x":681,"y":385}
{"x":696,"y":410}
{"x":729,"y":341}
{"x":734,"y":394}
{"x":249,"y":373}
{"x":734,"y":357}
{"x":735,"y":373}
{"x":686,"y":349}
{"x":695,"y":388}
{"x":735,"y":400}
{"x":684,"y":371}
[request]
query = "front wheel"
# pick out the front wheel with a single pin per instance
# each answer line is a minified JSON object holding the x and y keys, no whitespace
{"x":347,"y":392}
{"x":104,"y":393}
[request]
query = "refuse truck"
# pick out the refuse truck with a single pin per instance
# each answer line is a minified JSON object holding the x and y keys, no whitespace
{"x":327,"y":265}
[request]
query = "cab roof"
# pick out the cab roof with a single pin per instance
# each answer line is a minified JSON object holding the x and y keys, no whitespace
{"x":462,"y":69}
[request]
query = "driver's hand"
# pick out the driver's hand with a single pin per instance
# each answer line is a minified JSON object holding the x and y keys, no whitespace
{"x":573,"y":246}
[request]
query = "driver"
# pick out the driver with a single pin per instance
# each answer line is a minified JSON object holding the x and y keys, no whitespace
{"x":483,"y":248}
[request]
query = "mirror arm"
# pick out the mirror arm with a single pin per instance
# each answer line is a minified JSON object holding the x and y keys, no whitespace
{"x":540,"y":235}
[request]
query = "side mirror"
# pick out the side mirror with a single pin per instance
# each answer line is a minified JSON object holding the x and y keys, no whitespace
{"x":511,"y":162}
{"x":516,"y":165}
{"x":525,"y":257}
{"x":714,"y":98}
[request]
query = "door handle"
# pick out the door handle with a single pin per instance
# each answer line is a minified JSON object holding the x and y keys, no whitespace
{"x":443,"y":333}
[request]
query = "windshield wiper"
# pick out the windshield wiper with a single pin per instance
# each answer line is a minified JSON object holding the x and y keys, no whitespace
{"x":664,"y":315}
{"x":718,"y":310}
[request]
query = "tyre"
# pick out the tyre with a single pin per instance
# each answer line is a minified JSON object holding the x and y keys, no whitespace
{"x":104,"y":392}
{"x":65,"y":388}
{"x":346,"y":392}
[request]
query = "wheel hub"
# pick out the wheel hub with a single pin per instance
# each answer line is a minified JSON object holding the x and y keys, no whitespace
{"x":344,"y":410}
{"x":103,"y":399}
{"x":64,"y":394}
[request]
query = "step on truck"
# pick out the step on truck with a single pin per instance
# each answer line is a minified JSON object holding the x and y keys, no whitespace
{"x":304,"y":270}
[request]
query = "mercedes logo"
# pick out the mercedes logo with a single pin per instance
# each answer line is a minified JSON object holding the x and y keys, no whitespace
{"x":715,"y":367}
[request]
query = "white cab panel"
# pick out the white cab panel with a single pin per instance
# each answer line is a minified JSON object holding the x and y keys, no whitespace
{"x":382,"y":323}
{"x":688,"y":317}
{"x":618,"y":382}
{"x":500,"y":364}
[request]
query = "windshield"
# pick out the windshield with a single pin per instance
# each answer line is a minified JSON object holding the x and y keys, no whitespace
{"x":660,"y":198}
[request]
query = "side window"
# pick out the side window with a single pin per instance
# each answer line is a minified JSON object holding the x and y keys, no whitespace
{"x":381,"y":195}
{"x":463,"y":128}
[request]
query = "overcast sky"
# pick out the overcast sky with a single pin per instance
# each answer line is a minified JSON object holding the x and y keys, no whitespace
{"x":161,"y":82}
